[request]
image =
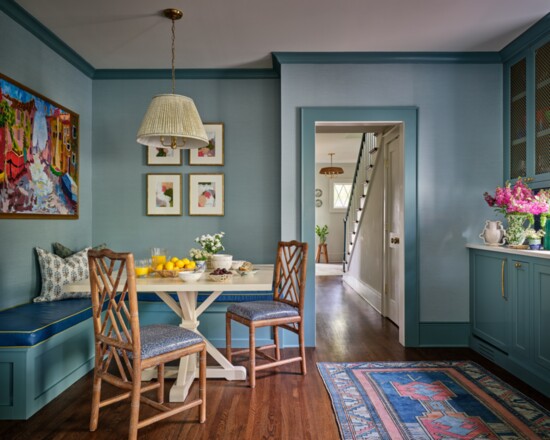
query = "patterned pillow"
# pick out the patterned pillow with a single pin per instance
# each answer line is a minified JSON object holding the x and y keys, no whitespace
{"x":64,"y":252}
{"x":57,"y":271}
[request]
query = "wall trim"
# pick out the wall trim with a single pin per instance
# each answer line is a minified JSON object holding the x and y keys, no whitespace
{"x":280,"y":58}
{"x":365,"y":291}
{"x":100,"y":74}
{"x":444,"y":334}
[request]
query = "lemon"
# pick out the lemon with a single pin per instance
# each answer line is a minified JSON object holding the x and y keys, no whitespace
{"x":191,"y":265}
{"x":180,"y":264}
{"x":169,"y":266}
{"x":174,"y":259}
{"x":186,"y":261}
{"x":159,"y":267}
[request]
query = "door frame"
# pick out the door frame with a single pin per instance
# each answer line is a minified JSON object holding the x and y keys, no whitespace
{"x":409,"y":117}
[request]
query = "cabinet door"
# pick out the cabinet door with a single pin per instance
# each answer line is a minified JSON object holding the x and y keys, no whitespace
{"x":520,"y":317}
{"x":489,"y":301}
{"x":542,"y":110}
{"x":541,"y":311}
{"x":518,"y":119}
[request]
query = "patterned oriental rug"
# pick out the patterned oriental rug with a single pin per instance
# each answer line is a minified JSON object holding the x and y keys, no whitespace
{"x":429,"y":400}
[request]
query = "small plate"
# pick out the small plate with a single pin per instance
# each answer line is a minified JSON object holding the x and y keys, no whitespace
{"x":244,"y":273}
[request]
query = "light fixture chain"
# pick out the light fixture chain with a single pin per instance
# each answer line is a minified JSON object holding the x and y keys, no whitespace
{"x":173,"y":56}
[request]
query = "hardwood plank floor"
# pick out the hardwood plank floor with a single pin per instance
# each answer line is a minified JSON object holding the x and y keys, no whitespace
{"x":284,"y":404}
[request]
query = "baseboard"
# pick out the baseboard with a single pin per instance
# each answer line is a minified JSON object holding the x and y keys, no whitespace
{"x":444,"y":334}
{"x":365,"y":291}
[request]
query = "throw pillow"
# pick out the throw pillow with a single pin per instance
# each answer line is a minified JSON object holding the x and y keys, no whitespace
{"x":64,"y":252}
{"x":57,"y":271}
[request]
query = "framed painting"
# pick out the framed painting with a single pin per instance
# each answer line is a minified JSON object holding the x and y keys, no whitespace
{"x":164,"y":194}
{"x":206,"y":194}
{"x":39,"y":157}
{"x":163,"y":156}
{"x":212,"y":154}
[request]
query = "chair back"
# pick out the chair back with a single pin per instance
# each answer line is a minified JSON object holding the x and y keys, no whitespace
{"x":117,"y":336}
{"x":290,"y":273}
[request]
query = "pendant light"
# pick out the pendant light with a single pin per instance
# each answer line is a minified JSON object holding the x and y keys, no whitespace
{"x":172,"y":121}
{"x":331,"y":171}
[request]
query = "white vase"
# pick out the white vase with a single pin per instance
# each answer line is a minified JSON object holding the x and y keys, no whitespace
{"x":493,"y":233}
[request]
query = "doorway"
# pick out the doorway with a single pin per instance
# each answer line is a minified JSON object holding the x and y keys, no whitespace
{"x":408,"y":117}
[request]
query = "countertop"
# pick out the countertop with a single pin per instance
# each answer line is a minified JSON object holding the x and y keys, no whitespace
{"x":507,"y":250}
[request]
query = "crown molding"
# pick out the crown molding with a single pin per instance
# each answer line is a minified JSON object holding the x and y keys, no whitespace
{"x":539,"y":30}
{"x":280,"y":58}
{"x":31,"y":24}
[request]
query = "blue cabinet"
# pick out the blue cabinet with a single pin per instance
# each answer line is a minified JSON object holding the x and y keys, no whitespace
{"x":489,"y":301}
{"x":510,"y":311}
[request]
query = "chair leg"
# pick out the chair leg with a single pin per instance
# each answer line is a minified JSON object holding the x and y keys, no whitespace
{"x":134,"y":408}
{"x":96,"y":398}
{"x":202,"y":386}
{"x":160,"y":379}
{"x":302,"y":348}
{"x":252,"y":368}
{"x":228,"y":337}
{"x":276,"y":340}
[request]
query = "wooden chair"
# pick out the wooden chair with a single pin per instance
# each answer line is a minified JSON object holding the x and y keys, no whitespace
{"x":285,"y":311}
{"x":123,"y":349}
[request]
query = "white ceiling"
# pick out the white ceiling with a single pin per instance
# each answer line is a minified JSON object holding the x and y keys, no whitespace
{"x":243,"y":33}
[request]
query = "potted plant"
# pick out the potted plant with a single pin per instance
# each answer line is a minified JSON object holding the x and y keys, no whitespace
{"x":534,"y":238}
{"x":322,"y":233}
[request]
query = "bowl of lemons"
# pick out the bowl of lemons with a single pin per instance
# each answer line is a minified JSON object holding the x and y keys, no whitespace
{"x":173,"y":267}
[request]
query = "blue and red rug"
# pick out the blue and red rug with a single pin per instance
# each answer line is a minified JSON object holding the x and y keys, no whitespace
{"x":429,"y":400}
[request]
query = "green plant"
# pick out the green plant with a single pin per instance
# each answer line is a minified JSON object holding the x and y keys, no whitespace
{"x":533,"y":234}
{"x":321,"y":232}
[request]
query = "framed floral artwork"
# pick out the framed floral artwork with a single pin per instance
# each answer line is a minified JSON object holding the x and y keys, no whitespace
{"x":164,"y":194}
{"x":39,"y":157}
{"x":206,"y":194}
{"x":163,"y":156}
{"x":212,"y":154}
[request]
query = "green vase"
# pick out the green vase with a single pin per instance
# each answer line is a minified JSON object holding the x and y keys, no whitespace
{"x":515,"y":232}
{"x":547,"y":235}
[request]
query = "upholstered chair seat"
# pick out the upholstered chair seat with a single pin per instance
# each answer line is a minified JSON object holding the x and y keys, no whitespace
{"x":160,"y":339}
{"x":260,"y":310}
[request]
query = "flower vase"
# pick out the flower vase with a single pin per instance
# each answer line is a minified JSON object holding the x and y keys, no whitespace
{"x":547,"y":235}
{"x":515,"y":232}
{"x":493,"y":233}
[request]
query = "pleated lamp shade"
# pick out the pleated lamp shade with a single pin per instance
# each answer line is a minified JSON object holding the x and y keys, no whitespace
{"x":172,"y":121}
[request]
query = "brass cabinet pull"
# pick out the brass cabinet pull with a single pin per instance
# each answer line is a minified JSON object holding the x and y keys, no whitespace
{"x":518,"y":265}
{"x":502,"y":280}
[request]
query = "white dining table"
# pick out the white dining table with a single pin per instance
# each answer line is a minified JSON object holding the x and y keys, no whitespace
{"x":189,"y":310}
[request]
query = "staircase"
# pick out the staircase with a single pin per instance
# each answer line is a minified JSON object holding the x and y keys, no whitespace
{"x":366,"y":164}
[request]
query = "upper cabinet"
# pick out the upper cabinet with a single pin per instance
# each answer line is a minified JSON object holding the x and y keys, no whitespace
{"x":527,"y":115}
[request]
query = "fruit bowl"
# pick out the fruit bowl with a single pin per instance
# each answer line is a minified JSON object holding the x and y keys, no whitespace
{"x":190,"y":276}
{"x":170,"y":273}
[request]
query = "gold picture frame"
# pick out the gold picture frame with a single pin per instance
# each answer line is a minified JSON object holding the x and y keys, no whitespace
{"x":163,"y":156}
{"x":206,"y":194}
{"x":213,"y":153}
{"x":164,"y":194}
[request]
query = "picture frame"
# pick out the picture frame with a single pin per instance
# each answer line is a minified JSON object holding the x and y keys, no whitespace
{"x":164,"y":195}
{"x":213,"y":153}
{"x":206,"y":194}
{"x":163,"y":156}
{"x":39,"y":155}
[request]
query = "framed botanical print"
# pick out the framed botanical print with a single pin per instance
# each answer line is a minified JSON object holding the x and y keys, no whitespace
{"x":163,"y":156}
{"x":39,"y":155}
{"x":206,"y":194}
{"x":164,"y":194}
{"x":212,"y":154}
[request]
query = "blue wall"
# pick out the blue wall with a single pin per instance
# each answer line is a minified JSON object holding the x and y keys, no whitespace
{"x":459,"y":157}
{"x":250,"y":110}
{"x":25,"y":59}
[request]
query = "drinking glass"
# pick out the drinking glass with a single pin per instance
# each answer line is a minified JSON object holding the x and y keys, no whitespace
{"x":142,"y":268}
{"x":158,"y":256}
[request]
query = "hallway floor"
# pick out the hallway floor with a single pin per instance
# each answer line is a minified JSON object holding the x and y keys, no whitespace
{"x":284,"y":405}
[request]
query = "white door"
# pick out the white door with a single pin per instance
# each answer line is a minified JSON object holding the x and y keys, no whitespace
{"x":394,"y":203}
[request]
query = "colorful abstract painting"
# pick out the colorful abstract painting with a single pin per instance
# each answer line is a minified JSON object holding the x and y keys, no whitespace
{"x":206,"y":194}
{"x":38,"y":155}
{"x":429,"y":400}
{"x":212,"y":154}
{"x":164,"y":196}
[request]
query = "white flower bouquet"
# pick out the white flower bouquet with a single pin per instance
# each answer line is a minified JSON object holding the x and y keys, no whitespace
{"x":211,"y":243}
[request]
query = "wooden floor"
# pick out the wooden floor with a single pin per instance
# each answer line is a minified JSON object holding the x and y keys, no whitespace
{"x":284,"y":405}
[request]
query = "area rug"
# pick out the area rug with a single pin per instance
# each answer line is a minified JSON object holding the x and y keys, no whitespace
{"x":429,"y":400}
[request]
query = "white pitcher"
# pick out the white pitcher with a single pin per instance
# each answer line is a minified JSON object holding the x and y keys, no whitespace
{"x":493,"y":233}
